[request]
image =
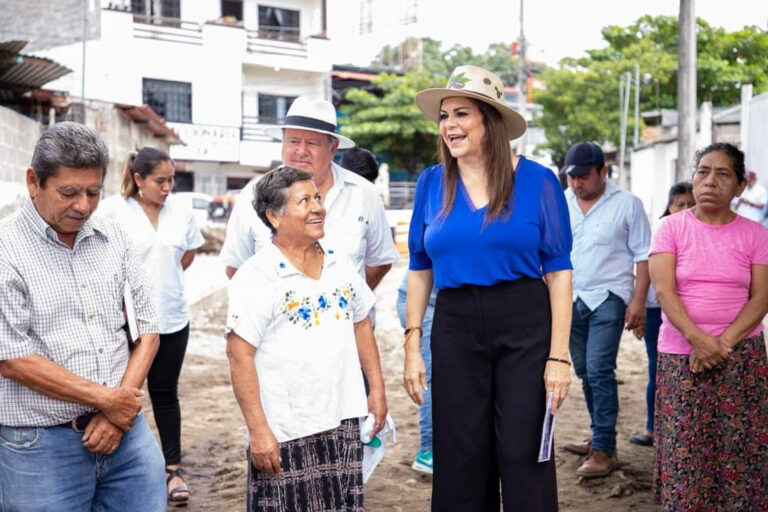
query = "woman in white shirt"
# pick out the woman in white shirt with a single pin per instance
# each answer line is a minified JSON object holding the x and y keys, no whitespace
{"x":166,"y":236}
{"x":298,"y":333}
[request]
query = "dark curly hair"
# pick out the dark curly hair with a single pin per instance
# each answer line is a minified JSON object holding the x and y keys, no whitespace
{"x":735,"y":154}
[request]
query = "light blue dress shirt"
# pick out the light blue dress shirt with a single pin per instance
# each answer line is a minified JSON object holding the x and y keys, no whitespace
{"x":607,"y":242}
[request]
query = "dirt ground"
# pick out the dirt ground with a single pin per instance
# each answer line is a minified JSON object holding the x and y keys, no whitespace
{"x":213,"y":431}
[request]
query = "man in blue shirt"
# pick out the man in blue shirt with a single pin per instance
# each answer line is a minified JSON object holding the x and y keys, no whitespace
{"x":611,"y":239}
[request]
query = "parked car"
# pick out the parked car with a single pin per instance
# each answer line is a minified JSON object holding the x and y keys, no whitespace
{"x":199,"y":204}
{"x":221,"y":206}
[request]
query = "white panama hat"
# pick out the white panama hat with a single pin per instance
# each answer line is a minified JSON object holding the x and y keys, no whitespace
{"x":314,"y":115}
{"x":477,"y":83}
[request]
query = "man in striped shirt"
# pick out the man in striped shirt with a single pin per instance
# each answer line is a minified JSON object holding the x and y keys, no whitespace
{"x":72,"y":436}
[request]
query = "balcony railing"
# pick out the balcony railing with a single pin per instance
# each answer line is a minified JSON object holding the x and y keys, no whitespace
{"x":289,"y":34}
{"x":254,"y":126}
{"x":277,"y":41}
{"x":167,"y":29}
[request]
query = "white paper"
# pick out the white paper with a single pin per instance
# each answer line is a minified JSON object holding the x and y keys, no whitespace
{"x":547,"y":430}
{"x":374,"y":447}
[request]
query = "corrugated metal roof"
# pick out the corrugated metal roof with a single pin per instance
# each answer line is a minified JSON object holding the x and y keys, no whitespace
{"x":12,"y":46}
{"x":19,"y":71}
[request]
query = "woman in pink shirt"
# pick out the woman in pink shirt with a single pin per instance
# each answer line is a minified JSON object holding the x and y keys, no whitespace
{"x":710,"y":271}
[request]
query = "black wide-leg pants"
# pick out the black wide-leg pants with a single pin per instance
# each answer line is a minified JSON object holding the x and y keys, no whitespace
{"x":489,"y":349}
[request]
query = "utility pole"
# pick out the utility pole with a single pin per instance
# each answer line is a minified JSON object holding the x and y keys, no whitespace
{"x":686,"y":89}
{"x":85,"y":40}
{"x":627,"y":87}
{"x":522,"y":80}
{"x":636,"y":138}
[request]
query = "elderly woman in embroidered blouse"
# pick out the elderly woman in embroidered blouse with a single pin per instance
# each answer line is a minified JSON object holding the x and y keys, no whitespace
{"x":298,"y":333}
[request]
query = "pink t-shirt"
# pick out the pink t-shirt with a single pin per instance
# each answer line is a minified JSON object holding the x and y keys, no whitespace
{"x":712,"y":270}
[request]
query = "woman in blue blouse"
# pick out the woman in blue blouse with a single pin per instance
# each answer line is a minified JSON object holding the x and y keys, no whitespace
{"x":487,"y":226}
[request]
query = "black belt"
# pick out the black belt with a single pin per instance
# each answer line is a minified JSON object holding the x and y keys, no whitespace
{"x":78,"y":424}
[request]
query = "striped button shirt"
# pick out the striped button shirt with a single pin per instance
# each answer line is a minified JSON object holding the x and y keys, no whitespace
{"x":65,"y":304}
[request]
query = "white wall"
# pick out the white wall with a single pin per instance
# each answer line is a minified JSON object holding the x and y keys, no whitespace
{"x":117,"y":64}
{"x":257,"y":79}
{"x":653,"y":173}
{"x":200,"y":11}
{"x":757,"y":149}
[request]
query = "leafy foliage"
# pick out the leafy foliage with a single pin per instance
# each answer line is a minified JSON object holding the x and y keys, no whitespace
{"x":581,"y":100}
{"x":499,"y":58}
{"x":391,"y":123}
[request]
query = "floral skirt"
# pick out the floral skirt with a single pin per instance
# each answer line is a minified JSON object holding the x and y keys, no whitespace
{"x":321,"y":472}
{"x":712,"y":432}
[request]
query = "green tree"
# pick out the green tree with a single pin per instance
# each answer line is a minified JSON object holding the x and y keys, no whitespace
{"x":391,"y":123}
{"x":500,"y":59}
{"x":436,"y":61}
{"x":433,"y":61}
{"x":581,"y":100}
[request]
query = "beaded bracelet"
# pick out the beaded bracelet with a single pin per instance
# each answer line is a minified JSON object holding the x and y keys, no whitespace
{"x":414,"y":328}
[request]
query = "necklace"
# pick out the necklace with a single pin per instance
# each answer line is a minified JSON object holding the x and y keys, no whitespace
{"x":301,"y":268}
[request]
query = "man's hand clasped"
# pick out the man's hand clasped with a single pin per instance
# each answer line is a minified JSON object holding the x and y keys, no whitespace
{"x":122,"y":407}
{"x":101,"y":436}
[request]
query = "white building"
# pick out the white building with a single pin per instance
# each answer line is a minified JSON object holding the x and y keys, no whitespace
{"x":218,"y":71}
{"x":654,"y":164}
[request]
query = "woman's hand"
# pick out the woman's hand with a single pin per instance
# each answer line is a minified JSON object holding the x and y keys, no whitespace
{"x":414,"y":375}
{"x":377,"y":404}
{"x":265,"y":451}
{"x":708,"y":352}
{"x":557,"y":378}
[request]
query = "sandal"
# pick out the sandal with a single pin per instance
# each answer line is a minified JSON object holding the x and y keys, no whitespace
{"x":177,"y":494}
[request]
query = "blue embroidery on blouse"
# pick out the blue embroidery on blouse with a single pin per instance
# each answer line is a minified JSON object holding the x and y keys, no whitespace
{"x":305,"y":311}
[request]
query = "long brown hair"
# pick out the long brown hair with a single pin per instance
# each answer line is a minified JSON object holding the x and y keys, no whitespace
{"x":500,"y":173}
{"x":142,"y":162}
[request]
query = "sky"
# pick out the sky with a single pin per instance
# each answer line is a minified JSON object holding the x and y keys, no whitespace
{"x":554,"y":28}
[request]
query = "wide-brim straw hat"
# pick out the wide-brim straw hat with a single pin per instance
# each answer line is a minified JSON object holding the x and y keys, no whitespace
{"x":315,"y":115}
{"x":477,"y":83}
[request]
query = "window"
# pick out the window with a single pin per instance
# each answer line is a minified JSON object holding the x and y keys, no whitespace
{"x":233,"y":8}
{"x":272,"y":109}
{"x":145,"y":9}
{"x":276,"y":23}
{"x":170,"y":100}
{"x":184,"y":181}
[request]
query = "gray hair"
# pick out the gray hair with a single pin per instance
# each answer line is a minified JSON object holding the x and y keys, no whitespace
{"x":270,"y":193}
{"x":69,"y":145}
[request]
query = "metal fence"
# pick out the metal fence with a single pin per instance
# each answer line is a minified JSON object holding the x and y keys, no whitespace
{"x":401,"y":194}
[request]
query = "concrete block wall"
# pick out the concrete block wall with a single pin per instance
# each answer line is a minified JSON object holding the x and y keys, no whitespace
{"x":18,"y":135}
{"x":121,"y":136}
{"x":46,"y":23}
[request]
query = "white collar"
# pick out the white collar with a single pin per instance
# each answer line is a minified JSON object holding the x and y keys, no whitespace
{"x":284,"y":268}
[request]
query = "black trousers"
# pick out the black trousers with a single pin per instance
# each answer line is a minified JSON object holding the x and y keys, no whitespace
{"x":163,"y":385}
{"x":489,"y":349}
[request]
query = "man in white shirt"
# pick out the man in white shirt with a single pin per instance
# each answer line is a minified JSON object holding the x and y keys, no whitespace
{"x":751,"y":202}
{"x":355,"y":221}
{"x":611,"y":239}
